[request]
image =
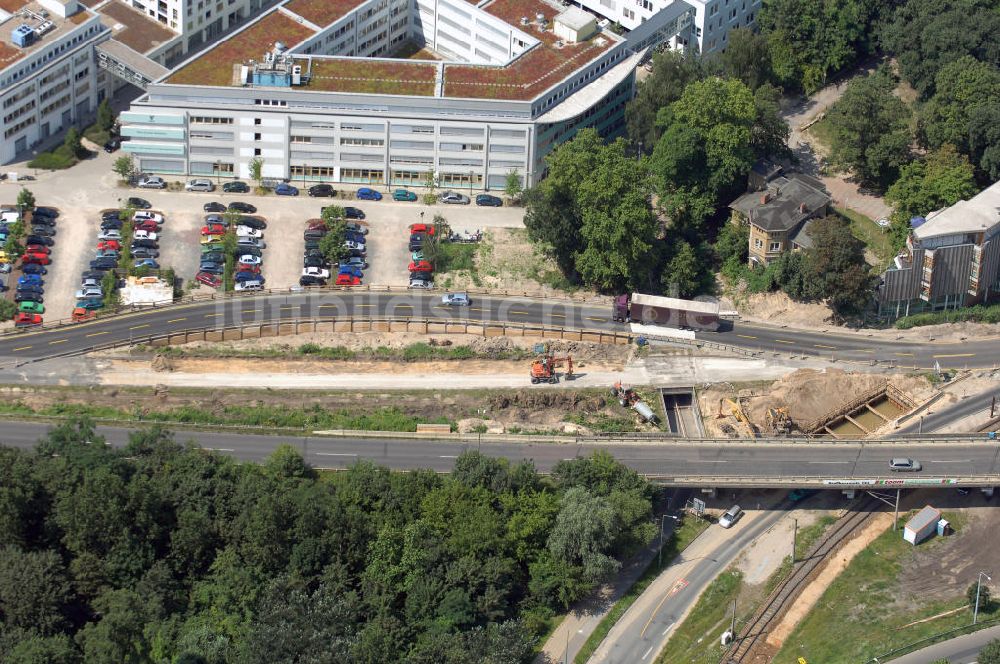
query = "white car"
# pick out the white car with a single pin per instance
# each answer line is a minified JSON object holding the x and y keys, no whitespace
{"x":246,"y":231}
{"x":351,"y":244}
{"x":84,"y":293}
{"x":144,"y":235}
{"x":109,"y":234}
{"x":152,"y":182}
{"x":731,"y":516}
{"x":8,"y":217}
{"x":249,"y":259}
{"x":199,"y":185}
{"x":143,"y":215}
{"x":315,"y":272}
{"x":248,"y":286}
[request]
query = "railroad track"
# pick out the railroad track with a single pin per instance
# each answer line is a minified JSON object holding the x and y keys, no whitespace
{"x":788,"y":589}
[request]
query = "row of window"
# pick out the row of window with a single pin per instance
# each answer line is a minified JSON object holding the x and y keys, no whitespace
{"x":28,"y":68}
{"x":201,"y":119}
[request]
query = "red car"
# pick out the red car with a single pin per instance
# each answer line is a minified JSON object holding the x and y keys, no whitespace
{"x":213,"y":229}
{"x":37,"y":249}
{"x":208,"y":279}
{"x":24,"y":319}
{"x":421,"y":266}
{"x":422,"y":228}
{"x":36,"y":258}
{"x":149,"y":225}
{"x":348,"y":280}
{"x":243,"y":267}
{"x":109,"y":244}
{"x":317,"y":225}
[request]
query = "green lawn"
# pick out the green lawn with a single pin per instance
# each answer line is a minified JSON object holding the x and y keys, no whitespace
{"x":822,"y":131}
{"x":689,"y":529}
{"x":863,"y":614}
{"x":875,"y":238}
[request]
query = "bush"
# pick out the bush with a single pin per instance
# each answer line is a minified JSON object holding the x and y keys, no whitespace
{"x":56,"y":160}
{"x":430,"y":199}
{"x":976,"y":314}
{"x":7,"y":310}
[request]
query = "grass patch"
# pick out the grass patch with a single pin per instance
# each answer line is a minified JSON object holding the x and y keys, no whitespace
{"x":282,"y":417}
{"x":862,"y":615}
{"x":822,"y":132}
{"x":689,"y":528}
{"x":875,"y":238}
{"x":60,"y":158}
{"x":416,"y":352}
{"x":97,"y":135}
{"x":605,"y":423}
{"x":976,"y":314}
{"x":696,"y":641}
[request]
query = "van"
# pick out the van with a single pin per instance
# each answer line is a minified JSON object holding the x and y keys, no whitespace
{"x":904,"y":465}
{"x":731,"y":516}
{"x":253,"y":285}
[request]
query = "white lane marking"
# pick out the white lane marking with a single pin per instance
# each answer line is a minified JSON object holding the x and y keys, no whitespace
{"x":449,"y":456}
{"x":705,"y":461}
{"x":335,"y":454}
{"x":220,"y":449}
{"x":952,"y":461}
{"x":668,"y":628}
{"x":829,"y":462}
{"x":647,"y":652}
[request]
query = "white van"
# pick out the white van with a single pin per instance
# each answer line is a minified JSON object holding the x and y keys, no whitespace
{"x":248,"y":286}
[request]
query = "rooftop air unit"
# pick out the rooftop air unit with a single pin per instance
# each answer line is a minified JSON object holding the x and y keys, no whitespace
{"x":23,"y":36}
{"x":524,"y":20}
{"x":279,"y":48}
{"x":297,"y":75}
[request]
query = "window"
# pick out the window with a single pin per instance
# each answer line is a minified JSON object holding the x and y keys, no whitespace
{"x":758,"y":243}
{"x":256,"y":152}
{"x":198,"y":119}
{"x":312,"y":171}
{"x":775,"y":246}
{"x":256,"y":121}
{"x":301,"y":139}
{"x":369,"y":175}
{"x":368,"y":142}
{"x":256,"y":137}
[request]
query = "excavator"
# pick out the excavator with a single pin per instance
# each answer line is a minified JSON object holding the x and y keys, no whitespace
{"x":737,"y":411}
{"x":543,"y":369}
{"x":778,"y":420}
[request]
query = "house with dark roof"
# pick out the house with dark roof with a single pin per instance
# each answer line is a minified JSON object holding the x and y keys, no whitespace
{"x":779,"y":215}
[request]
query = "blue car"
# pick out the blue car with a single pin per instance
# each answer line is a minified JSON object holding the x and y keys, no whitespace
{"x":147,"y":262}
{"x":354,"y":236}
{"x":247,"y":276}
{"x":367,"y":194}
{"x":32,"y":268}
{"x":30,"y":280}
{"x":286,"y":190}
{"x":353,"y":271}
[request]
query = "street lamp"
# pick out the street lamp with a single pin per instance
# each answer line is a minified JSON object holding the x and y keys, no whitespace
{"x":663,"y":518}
{"x":979,"y":585}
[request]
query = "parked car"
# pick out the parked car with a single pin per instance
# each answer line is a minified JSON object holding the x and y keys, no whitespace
{"x":247,"y":275}
{"x":28,"y":296}
{"x":244,"y":267}
{"x":254,"y":285}
{"x":487,"y":200}
{"x":731,"y":516}
{"x":147,"y":225}
{"x":211,"y":242}
{"x":322,"y":190}
{"x":109,"y":245}
{"x":33,"y":269}
{"x":109,"y":215}
{"x":152,"y":182}
{"x":284,"y":189}
{"x":88,"y":292}
{"x":208,"y":279}
{"x":455,"y":299}
{"x":25,"y":319}
{"x":37,"y":249}
{"x":315,"y":261}
{"x":417,"y":256}
{"x":144,"y":252}
{"x":354,"y":237}
{"x":40,"y":259}
{"x":44,"y":231}
{"x":214,"y":207}
{"x":356,"y":227}
{"x":148,"y":244}
{"x":105,"y":253}
{"x":249,"y":259}
{"x":420,"y":266}
{"x":357,"y":246}
{"x":421,"y":280}
{"x":403,"y":195}
{"x":454,"y":198}
{"x":247,"y":231}
{"x":109,"y":235}
{"x":213,"y":229}
{"x":44,"y":211}
{"x":314,"y":234}
{"x":106,"y":263}
{"x":144,"y":235}
{"x":347,"y":280}
{"x":32,"y":307}
{"x":199,"y":184}
{"x":311,"y":281}
{"x":30,"y":280}
{"x":113,"y":144}
{"x":91,"y":304}
{"x":142,"y":215}
{"x":368,"y":194}
{"x":214,"y":256}
{"x":111,"y":224}
{"x":423,"y":228}
{"x":138,"y":203}
{"x":252,"y":251}
{"x":252,"y":222}
{"x":236,"y":187}
{"x":147,"y":262}
{"x":322,"y":273}
{"x":904,"y":465}
{"x":39,"y":239}
{"x":211,"y":268}
{"x":417,"y":241}
{"x":250,"y":242}
{"x":240,"y":206}
{"x":353,"y":271}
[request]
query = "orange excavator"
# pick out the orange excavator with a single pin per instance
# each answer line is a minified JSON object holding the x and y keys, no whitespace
{"x":543,"y":369}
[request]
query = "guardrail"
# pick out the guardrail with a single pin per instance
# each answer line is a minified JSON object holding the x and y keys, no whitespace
{"x":931,"y":640}
{"x":823,"y":482}
{"x":305,"y":290}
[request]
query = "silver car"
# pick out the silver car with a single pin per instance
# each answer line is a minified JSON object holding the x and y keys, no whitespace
{"x":454,"y":198}
{"x":199,"y":185}
{"x":731,"y":516}
{"x":455,"y":300}
{"x":152,"y":182}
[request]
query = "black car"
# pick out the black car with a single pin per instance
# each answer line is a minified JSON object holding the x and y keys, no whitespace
{"x":214,"y":257}
{"x":45,"y":212}
{"x":91,"y":274}
{"x":488,"y":201}
{"x":143,"y":252}
{"x":138,"y":203}
{"x":240,"y":206}
{"x":324,"y":190}
{"x":310,"y":280}
{"x":31,"y":288}
{"x":247,"y":275}
{"x":145,"y":244}
{"x":314,"y":234}
{"x":247,"y":251}
{"x":315,"y":261}
{"x":111,"y":225}
{"x":417,"y":241}
{"x":253,"y":222}
{"x":39,"y":239}
{"x":235,"y":188}
{"x":46,"y":231}
{"x":113,"y":144}
{"x":426,"y":277}
{"x":28,"y":297}
{"x":214,"y":207}
{"x":33,"y":268}
{"x":312,"y":252}
{"x":211,"y":268}
{"x":110,"y":215}
{"x":106,"y":263}
{"x":45,"y":222}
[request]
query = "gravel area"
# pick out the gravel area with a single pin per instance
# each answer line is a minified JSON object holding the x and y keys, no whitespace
{"x":74,"y":247}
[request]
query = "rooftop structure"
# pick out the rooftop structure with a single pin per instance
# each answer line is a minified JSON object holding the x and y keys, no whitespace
{"x":979,"y":214}
{"x":29,"y":27}
{"x":133,"y":28}
{"x":786,"y":203}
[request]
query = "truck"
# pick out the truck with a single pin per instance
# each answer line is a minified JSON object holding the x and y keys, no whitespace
{"x":668,"y":311}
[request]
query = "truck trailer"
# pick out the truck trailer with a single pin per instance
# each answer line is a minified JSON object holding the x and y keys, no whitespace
{"x":667,"y":311}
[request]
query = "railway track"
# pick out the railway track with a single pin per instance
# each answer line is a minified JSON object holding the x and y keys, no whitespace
{"x":787,"y":590}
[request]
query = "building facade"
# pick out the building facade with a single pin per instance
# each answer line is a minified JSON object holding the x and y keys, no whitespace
{"x":309,"y":89}
{"x":951,"y":259}
{"x":49,"y":78}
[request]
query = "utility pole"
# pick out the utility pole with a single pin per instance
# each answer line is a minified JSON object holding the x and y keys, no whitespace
{"x":993,"y":406}
{"x":979,"y":585}
{"x":795,"y":535}
{"x":733,"y":628}
{"x":895,"y":514}
{"x":659,"y":562}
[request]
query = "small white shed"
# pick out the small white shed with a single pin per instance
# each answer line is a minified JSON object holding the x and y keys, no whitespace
{"x":574,"y":25}
{"x":922,"y":525}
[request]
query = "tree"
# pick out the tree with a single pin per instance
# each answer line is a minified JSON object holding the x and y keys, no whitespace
{"x":34,"y":590}
{"x":119,"y":635}
{"x":937,"y":181}
{"x":256,"y":168}
{"x":870,"y":129}
{"x":836,"y":265}
{"x":990,"y":654}
{"x":733,"y":243}
{"x":332,"y":214}
{"x":286,"y":462}
{"x":747,"y":57}
{"x":512,"y":185}
{"x":984,"y":139}
{"x":332,"y":244}
{"x":73,"y":144}
{"x":672,"y":72}
{"x":8,"y":309}
{"x":977,"y":592}
{"x":105,"y":116}
{"x":25,"y":199}
{"x":124,"y":166}
{"x":584,"y":533}
{"x":35,"y":649}
{"x":682,"y":276}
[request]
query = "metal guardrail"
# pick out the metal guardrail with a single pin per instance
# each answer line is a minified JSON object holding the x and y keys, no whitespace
{"x":299,"y":290}
{"x":931,"y":640}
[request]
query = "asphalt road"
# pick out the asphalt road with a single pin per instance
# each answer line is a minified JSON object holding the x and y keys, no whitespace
{"x":647,"y":634}
{"x":39,"y":344}
{"x":979,"y":403}
{"x":699,"y":463}
{"x":960,"y":650}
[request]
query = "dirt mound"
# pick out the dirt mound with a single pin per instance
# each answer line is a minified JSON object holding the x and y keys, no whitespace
{"x":534,"y":399}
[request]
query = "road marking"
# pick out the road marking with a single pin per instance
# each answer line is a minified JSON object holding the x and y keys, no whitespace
{"x":449,"y":456}
{"x":706,"y":461}
{"x":647,"y":652}
{"x":677,"y":587}
{"x":213,"y":315}
{"x":597,"y":319}
{"x":176,"y":320}
{"x":865,"y":351}
{"x":829,"y":462}
{"x":286,"y":308}
{"x":139,"y":327}
{"x":955,"y":355}
{"x":404,"y":306}
{"x":58,"y":341}
{"x":251,"y":311}
{"x":362,"y":306}
{"x":783,"y":341}
{"x":327,"y":306}
{"x":220,"y":449}
{"x":668,"y":629}
{"x":746,"y":336}
{"x":822,"y":346}
{"x":520,"y":313}
{"x":558,"y":315}
{"x":476,"y":309}
{"x":22,"y":348}
{"x":952,"y":461}
{"x":335,"y":454}
{"x":904,"y":354}
{"x":94,"y":334}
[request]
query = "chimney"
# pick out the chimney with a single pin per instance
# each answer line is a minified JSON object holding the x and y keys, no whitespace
{"x":765,"y":198}
{"x":802,"y":208}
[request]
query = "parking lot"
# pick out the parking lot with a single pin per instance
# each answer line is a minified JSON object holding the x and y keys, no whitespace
{"x":80,"y":193}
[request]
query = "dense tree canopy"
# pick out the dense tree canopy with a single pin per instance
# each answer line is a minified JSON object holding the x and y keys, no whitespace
{"x":166,"y":553}
{"x":671,"y":73}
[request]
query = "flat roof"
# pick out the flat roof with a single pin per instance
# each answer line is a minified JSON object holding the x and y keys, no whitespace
{"x":9,"y":53}
{"x":534,"y":71}
{"x":133,"y":28}
{"x":924,"y":518}
{"x":976,"y":215}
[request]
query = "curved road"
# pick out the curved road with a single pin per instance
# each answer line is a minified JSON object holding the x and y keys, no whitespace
{"x":40,"y":344}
